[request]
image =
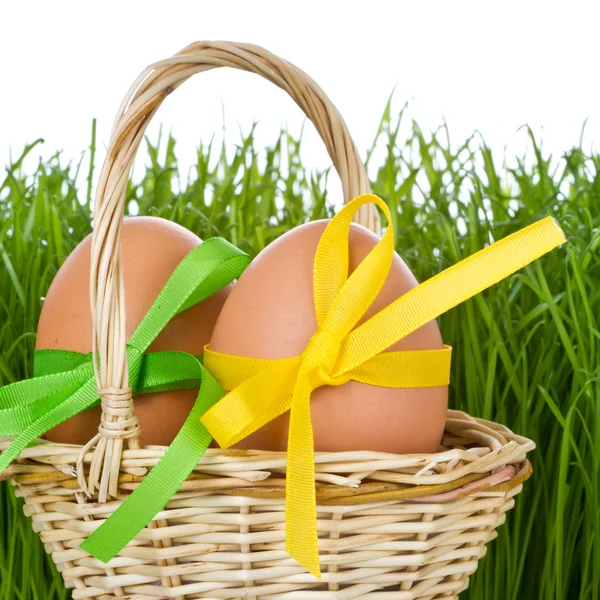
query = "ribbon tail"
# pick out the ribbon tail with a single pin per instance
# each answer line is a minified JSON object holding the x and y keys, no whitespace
{"x":446,"y":290}
{"x":15,"y":419}
{"x":302,"y":538}
{"x":163,"y":481}
{"x":58,"y":411}
{"x":252,"y":404}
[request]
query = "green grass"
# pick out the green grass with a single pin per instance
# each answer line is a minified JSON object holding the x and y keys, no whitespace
{"x":526,"y":353}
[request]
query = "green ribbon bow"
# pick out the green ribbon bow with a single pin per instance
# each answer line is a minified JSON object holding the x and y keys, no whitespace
{"x":64,"y":385}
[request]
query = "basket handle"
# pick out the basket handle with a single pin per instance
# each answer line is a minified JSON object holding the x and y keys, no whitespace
{"x":107,"y":296}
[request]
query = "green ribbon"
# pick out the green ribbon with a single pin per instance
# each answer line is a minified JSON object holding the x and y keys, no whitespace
{"x":64,"y":385}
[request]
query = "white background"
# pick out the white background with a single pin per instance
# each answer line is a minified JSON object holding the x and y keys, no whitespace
{"x":491,"y":66}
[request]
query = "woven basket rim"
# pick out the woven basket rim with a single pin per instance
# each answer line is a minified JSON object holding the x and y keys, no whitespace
{"x":476,"y":454}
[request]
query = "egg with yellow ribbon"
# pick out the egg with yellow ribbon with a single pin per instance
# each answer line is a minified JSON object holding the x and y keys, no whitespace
{"x":344,"y":350}
{"x":270,"y":314}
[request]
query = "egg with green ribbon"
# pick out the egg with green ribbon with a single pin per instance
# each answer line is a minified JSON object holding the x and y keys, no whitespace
{"x":152,"y":249}
{"x":64,"y":385}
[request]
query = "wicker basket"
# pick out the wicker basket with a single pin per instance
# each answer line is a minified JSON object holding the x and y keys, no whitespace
{"x":400,"y":527}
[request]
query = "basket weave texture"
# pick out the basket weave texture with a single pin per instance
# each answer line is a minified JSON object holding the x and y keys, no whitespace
{"x":396,"y":527}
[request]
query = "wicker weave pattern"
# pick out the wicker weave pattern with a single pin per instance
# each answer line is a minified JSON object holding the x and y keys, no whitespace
{"x":402,"y":527}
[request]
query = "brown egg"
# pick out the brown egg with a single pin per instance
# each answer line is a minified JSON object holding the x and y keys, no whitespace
{"x":152,"y":248}
{"x":270,"y":314}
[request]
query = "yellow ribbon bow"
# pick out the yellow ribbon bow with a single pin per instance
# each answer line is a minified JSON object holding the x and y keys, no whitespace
{"x":263,"y":389}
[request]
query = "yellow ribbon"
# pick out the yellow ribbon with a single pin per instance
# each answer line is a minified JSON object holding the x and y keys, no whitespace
{"x":263,"y":389}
